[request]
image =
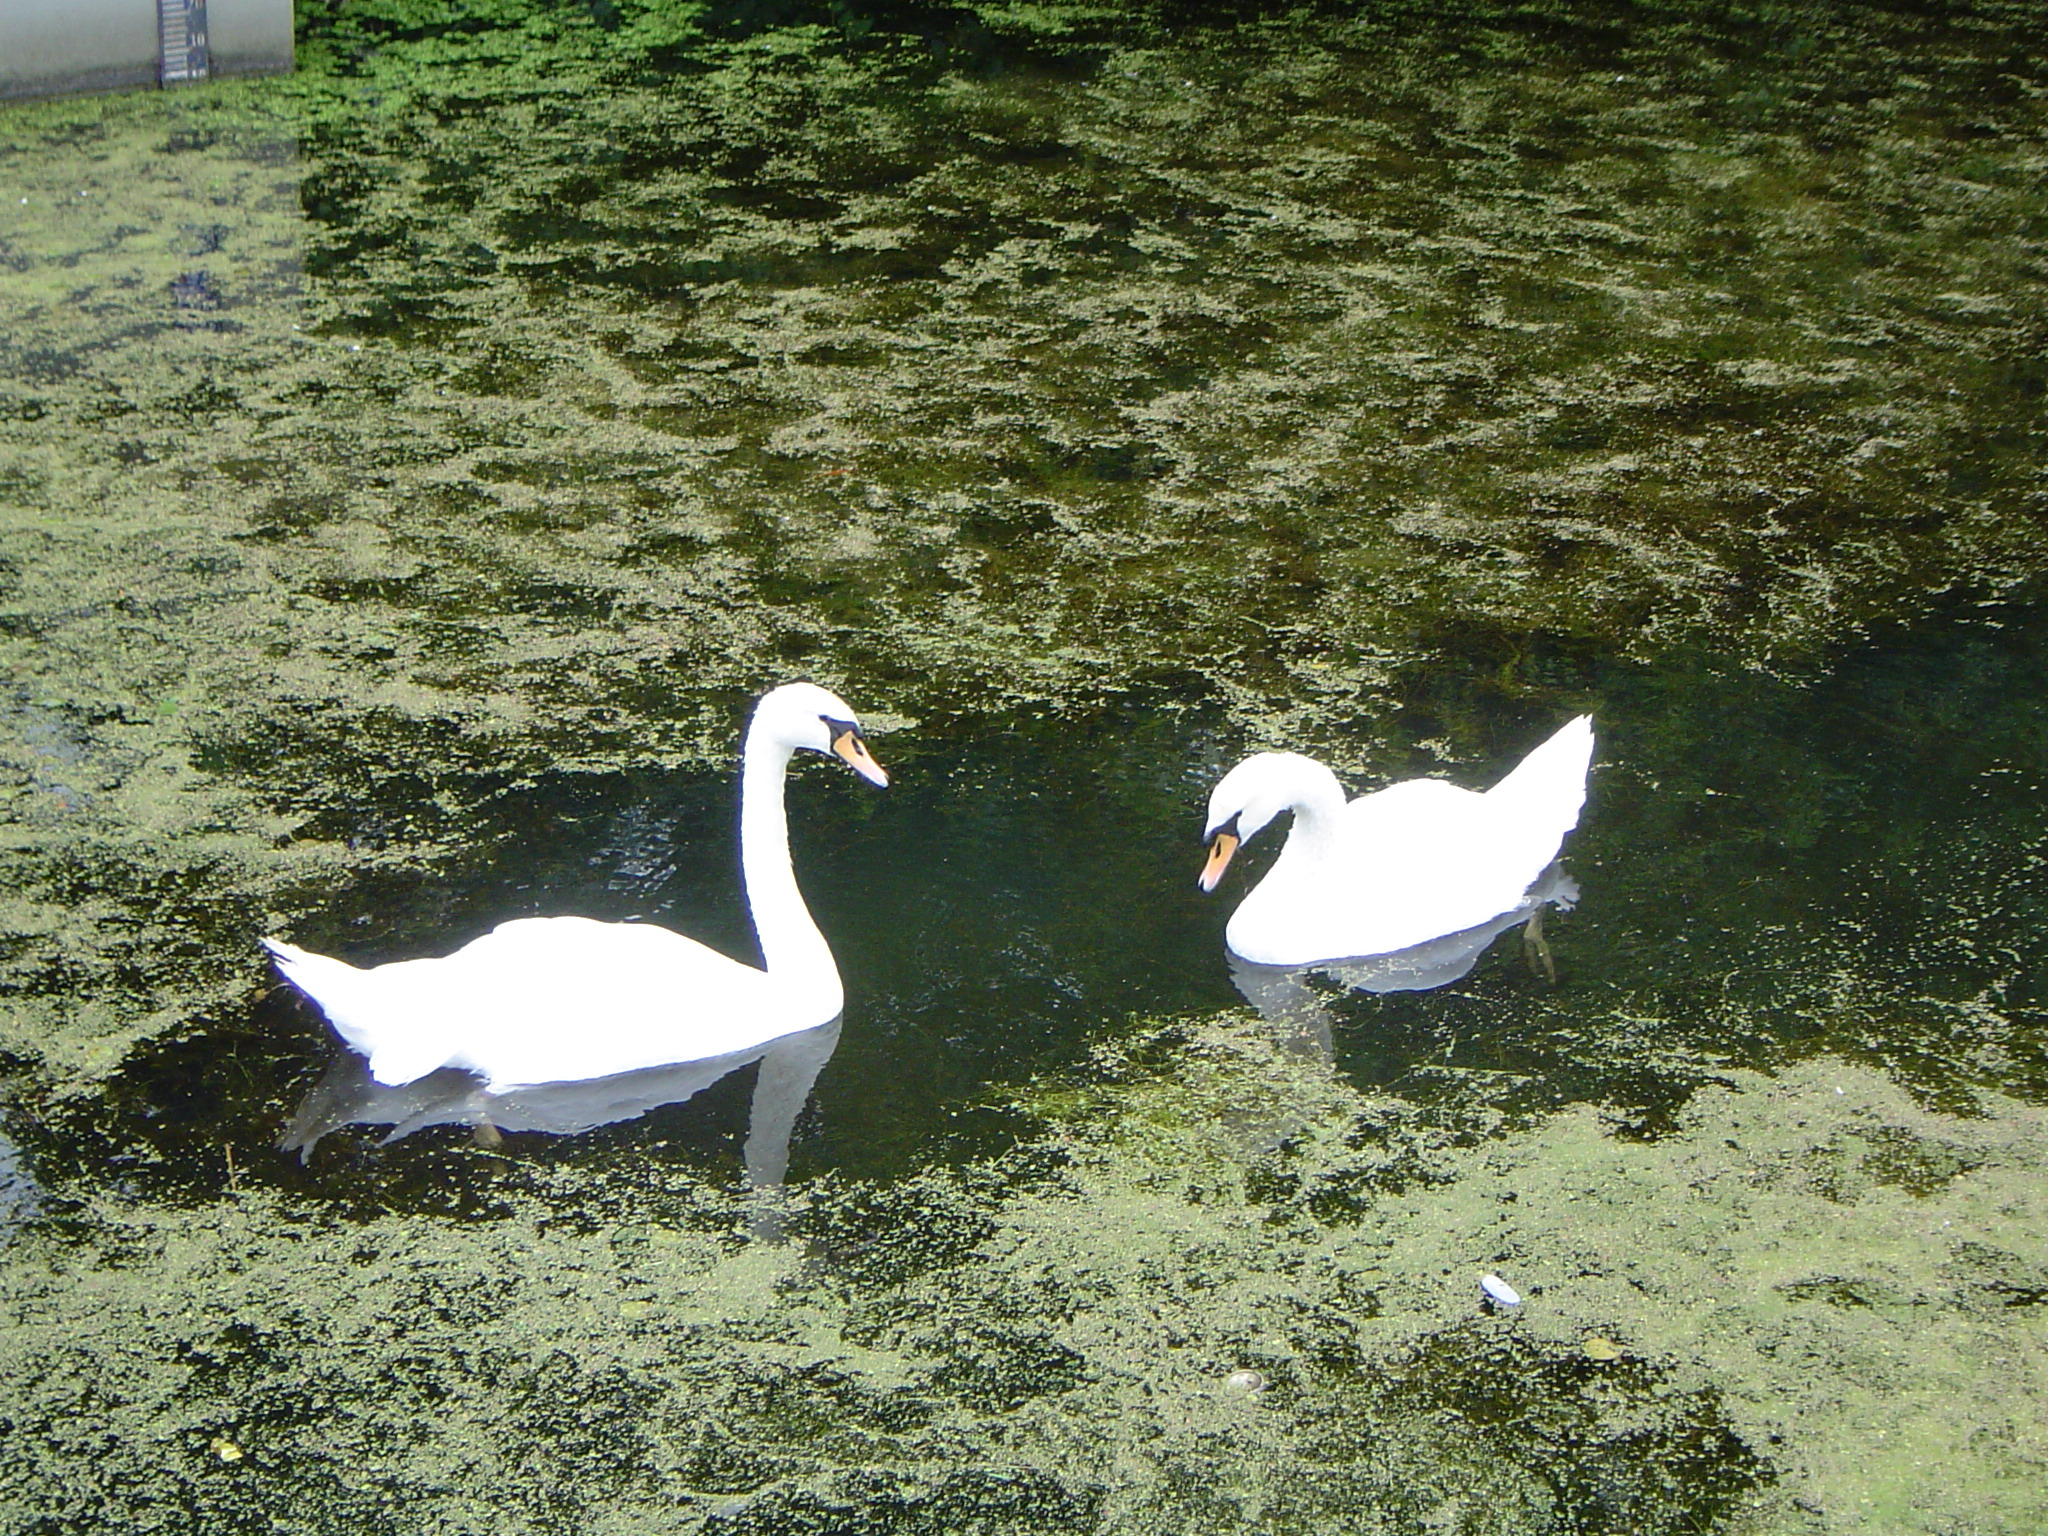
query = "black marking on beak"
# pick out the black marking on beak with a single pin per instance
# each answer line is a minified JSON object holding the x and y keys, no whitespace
{"x":1223,"y":845}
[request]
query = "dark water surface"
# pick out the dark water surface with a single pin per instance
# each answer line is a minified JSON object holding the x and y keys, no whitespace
{"x":410,"y":470}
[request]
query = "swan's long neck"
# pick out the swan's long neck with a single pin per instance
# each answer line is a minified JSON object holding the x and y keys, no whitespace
{"x":1317,"y":800}
{"x":790,"y":942}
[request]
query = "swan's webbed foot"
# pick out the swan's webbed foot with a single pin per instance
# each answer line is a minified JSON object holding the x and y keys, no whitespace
{"x":1537,"y":948}
{"x":484,"y":1133}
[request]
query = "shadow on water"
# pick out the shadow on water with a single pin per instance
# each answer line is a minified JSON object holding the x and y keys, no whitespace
{"x":786,"y":1071}
{"x":1769,"y":865}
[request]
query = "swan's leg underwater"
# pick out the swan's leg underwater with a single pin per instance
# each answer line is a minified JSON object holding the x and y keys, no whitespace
{"x":1537,"y":948}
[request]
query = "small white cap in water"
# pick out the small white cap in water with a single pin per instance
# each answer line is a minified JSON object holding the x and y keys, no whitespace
{"x":1498,"y":1290}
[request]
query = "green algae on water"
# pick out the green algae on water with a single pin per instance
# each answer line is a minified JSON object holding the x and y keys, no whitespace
{"x":473,"y":422}
{"x":1047,"y":1344}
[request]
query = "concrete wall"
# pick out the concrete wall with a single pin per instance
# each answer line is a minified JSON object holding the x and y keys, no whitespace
{"x":48,"y":47}
{"x":247,"y":37}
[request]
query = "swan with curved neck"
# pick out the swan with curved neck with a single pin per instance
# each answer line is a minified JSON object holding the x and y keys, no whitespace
{"x":561,"y":999}
{"x":1393,"y":869}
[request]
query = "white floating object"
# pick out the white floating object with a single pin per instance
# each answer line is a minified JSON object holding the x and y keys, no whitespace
{"x":1499,"y":1291}
{"x":1249,"y":1382}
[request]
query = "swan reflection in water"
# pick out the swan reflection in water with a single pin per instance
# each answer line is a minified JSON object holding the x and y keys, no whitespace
{"x":1287,"y":996}
{"x":789,"y":1068}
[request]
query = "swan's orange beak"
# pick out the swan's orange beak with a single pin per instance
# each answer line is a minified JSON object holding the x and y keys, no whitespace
{"x":1220,"y":850}
{"x":852,"y":746}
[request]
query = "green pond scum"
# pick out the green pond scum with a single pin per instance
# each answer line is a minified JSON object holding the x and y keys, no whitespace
{"x":411,"y":468}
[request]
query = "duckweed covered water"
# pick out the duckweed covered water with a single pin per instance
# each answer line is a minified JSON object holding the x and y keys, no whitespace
{"x":409,"y":470}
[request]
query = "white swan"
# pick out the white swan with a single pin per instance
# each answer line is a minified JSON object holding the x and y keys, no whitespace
{"x":559,"y":999}
{"x":1396,"y":868}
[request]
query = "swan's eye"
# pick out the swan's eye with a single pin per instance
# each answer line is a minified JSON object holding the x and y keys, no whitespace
{"x":1228,"y":829}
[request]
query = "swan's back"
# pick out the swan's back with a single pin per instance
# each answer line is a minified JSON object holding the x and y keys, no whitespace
{"x":1427,"y":858}
{"x":1532,"y":809}
{"x":1465,"y":858}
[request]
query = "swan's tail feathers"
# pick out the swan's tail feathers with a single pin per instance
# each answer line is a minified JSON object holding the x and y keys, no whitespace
{"x":397,"y":1036}
{"x":1550,"y":782}
{"x":333,"y":984}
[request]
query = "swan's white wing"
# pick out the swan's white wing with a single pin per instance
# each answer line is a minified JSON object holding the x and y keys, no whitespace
{"x":1547,"y":789}
{"x":567,"y":997}
{"x":1424,"y":859}
{"x":397,"y":1015}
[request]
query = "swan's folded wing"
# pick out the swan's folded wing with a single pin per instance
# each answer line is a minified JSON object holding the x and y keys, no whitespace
{"x":1416,"y":862}
{"x":1409,"y":897}
{"x":1548,"y":787}
{"x":1425,"y":858}
{"x":568,"y":997}
{"x":1533,"y":808}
